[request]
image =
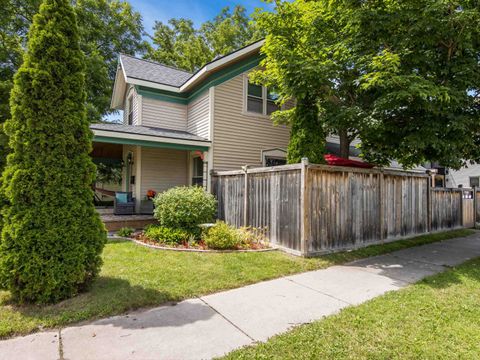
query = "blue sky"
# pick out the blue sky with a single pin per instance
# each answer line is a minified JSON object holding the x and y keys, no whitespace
{"x":197,"y":10}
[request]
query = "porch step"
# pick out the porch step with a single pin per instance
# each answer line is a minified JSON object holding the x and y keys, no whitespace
{"x":105,"y":210}
{"x":116,"y":222}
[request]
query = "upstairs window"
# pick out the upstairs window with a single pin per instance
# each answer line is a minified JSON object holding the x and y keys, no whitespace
{"x":272,"y":106}
{"x":259,"y":100}
{"x":130,"y":111}
{"x":255,"y":98}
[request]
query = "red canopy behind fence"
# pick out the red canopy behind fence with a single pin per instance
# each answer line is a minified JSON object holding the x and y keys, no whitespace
{"x":338,"y":161}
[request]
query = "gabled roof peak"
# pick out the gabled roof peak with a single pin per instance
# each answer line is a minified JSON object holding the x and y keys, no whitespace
{"x":156,"y":63}
{"x":147,"y":70}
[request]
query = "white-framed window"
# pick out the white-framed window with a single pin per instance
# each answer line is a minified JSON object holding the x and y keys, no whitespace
{"x":258,"y":99}
{"x":130,"y":110}
{"x":197,"y":171}
{"x":274,"y":157}
{"x":474,"y":181}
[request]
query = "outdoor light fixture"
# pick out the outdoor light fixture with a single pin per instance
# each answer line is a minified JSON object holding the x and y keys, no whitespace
{"x":130,"y":158}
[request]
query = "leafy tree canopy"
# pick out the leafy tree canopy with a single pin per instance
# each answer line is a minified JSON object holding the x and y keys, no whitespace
{"x":178,"y":43}
{"x":403,"y":76}
{"x":106,"y":28}
{"x":421,"y":60}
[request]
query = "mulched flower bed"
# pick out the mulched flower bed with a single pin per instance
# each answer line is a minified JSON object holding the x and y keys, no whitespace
{"x":199,"y":246}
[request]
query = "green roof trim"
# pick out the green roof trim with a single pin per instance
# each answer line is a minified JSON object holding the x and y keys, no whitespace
{"x":146,"y":143}
{"x":213,"y":80}
{"x":162,"y":95}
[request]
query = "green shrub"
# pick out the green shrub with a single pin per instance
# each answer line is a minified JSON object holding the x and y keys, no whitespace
{"x":222,"y":237}
{"x":185,"y":208}
{"x":125,"y":232}
{"x":251,"y":236}
{"x":52,"y":236}
{"x":166,"y":235}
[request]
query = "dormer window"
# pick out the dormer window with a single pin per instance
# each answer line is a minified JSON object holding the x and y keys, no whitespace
{"x":130,"y":110}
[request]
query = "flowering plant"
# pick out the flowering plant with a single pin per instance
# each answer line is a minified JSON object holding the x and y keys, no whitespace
{"x":151,"y":194}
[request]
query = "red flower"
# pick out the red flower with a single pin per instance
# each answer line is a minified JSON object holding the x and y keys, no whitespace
{"x":151,"y":194}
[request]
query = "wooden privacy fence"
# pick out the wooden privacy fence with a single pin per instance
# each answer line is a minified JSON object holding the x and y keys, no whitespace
{"x":310,"y":209}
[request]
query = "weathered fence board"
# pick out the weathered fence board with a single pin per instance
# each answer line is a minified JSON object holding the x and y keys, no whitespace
{"x":405,"y":202}
{"x":343,"y":209}
{"x":446,"y":208}
{"x":229,"y":191}
{"x":468,"y":208}
{"x":274,"y":205}
{"x":476,"y":206}
{"x":312,"y":209}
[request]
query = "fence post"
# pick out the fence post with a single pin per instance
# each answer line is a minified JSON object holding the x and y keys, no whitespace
{"x":462,"y":212}
{"x":382,"y":206}
{"x":429,"y":203}
{"x":304,"y":212}
{"x":474,"y":206}
{"x":245,"y":196}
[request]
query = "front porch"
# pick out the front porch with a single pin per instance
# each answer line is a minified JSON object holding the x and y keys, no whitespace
{"x":151,"y":159}
{"x":116,"y":222}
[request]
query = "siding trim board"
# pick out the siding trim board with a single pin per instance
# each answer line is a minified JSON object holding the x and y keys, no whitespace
{"x":149,"y":143}
{"x":216,"y":79}
{"x":162,"y":95}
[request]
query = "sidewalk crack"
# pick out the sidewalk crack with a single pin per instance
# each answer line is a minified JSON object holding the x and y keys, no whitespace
{"x":228,"y":320}
{"x":60,"y":345}
{"x":318,"y":291}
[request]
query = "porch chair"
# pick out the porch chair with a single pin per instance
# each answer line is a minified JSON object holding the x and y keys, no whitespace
{"x":123,"y":203}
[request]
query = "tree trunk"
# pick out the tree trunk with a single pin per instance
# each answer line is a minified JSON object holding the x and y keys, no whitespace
{"x":344,"y":144}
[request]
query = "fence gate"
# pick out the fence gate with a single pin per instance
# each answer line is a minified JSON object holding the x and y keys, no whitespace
{"x":468,"y":208}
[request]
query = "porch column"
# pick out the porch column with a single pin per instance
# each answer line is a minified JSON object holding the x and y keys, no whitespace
{"x":138,"y":178}
{"x":207,"y":169}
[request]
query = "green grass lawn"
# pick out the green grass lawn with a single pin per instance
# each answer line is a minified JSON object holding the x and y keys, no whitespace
{"x":133,"y":277}
{"x":437,"y":318}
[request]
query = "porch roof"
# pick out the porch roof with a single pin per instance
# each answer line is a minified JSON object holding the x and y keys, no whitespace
{"x":148,"y":136}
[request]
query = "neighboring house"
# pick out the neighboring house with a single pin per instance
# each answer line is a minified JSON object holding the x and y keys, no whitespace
{"x":178,"y":126}
{"x":468,"y":176}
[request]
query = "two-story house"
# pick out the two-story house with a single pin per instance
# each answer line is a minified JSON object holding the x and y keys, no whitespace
{"x":179,"y":126}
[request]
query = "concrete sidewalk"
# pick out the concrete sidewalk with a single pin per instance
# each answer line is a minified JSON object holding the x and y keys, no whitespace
{"x":217,"y":324}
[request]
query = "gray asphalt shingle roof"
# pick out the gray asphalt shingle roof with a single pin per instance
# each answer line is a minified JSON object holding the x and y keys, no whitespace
{"x":149,"y":131}
{"x":154,"y":72}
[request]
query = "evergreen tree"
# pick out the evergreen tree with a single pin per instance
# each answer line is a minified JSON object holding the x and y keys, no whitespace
{"x":52,"y":236}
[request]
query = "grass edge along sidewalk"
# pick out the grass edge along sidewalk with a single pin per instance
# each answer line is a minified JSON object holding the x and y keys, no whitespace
{"x":134,"y":277}
{"x":432,"y":319}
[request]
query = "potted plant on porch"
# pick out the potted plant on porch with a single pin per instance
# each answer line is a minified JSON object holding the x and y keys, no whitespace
{"x":146,"y":205}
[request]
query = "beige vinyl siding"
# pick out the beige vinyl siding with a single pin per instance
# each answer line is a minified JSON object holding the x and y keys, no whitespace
{"x":198,"y":112}
{"x":163,"y":169}
{"x":240,"y":138}
{"x":163,"y":114}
